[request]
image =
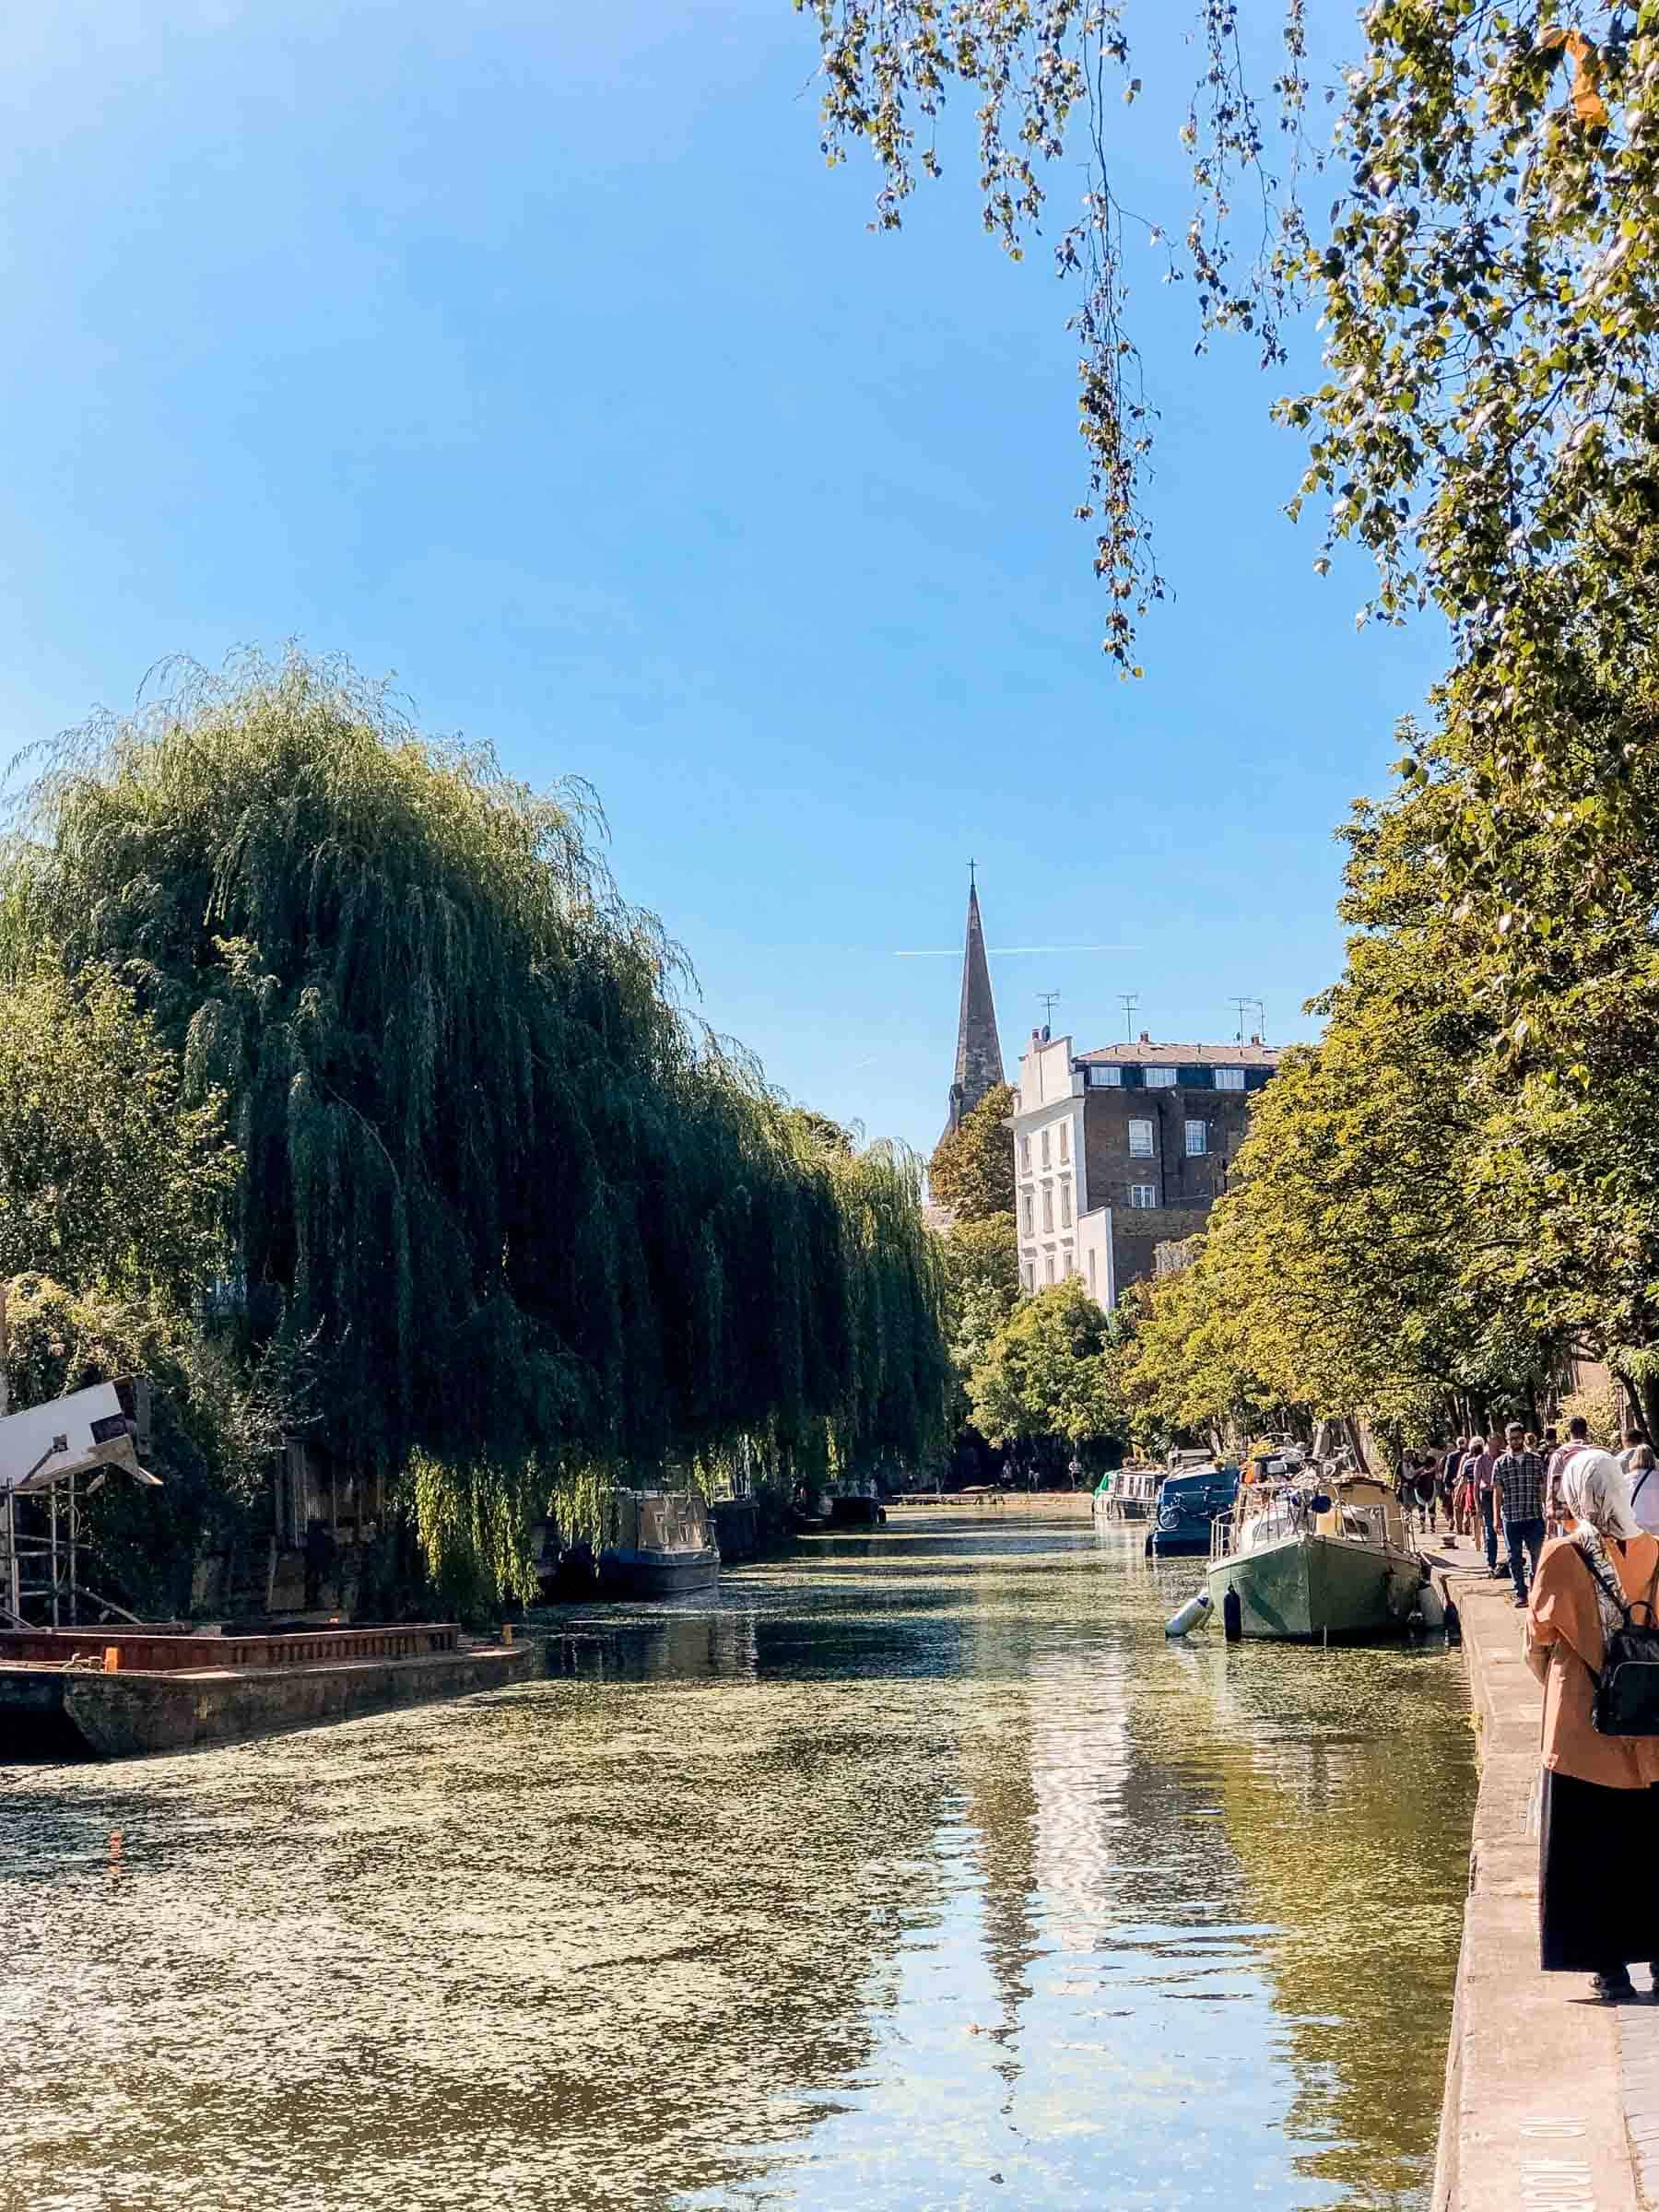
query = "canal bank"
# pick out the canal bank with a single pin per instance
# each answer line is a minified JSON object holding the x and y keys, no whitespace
{"x":1552,"y":2099}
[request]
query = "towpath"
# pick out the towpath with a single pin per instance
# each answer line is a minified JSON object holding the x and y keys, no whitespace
{"x":1552,"y":2100}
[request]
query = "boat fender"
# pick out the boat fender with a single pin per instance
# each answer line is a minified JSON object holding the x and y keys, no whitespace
{"x":1194,"y":1614}
{"x":1432,"y":1606}
{"x":1232,"y":1618}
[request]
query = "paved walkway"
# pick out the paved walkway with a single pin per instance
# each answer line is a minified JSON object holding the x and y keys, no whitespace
{"x":1552,"y":2100}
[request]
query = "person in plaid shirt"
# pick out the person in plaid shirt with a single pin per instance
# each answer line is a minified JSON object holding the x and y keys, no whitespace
{"x":1518,"y":1502}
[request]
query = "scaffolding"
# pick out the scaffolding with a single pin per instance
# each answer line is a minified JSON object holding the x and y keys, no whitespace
{"x":47,"y":1454}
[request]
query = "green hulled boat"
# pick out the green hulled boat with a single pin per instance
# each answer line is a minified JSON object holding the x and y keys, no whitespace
{"x":1306,"y":1564}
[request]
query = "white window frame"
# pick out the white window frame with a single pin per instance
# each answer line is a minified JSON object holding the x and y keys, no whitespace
{"x":1048,"y":1266}
{"x":1048,"y":1209}
{"x":1228,"y":1078}
{"x":1091,"y":1270}
{"x":1025,"y":1154}
{"x":1107,"y":1078}
{"x":1068,"y":1265}
{"x":1160,"y":1079}
{"x":1065,"y":1219}
{"x":1027,"y":1203}
{"x":1046,"y":1149}
{"x":1201,"y":1131}
{"x":1142,"y":1146}
{"x":1143,"y":1197}
{"x":1065,"y":1143}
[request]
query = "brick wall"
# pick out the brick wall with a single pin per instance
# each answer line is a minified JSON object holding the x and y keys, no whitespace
{"x":1187,"y":1186}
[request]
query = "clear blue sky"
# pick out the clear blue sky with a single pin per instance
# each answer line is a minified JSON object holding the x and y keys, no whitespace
{"x":533,"y":353}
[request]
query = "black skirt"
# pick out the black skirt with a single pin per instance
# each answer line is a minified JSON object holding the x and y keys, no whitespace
{"x":1599,"y":1902}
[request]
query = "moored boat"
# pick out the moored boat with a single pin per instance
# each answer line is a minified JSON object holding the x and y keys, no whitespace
{"x":1125,"y":1494}
{"x":1312,"y":1555}
{"x":657,"y":1544}
{"x":1187,"y":1506}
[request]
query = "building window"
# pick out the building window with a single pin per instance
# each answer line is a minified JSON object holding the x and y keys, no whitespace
{"x":1048,"y":1206}
{"x":1025,"y":1208}
{"x":1025,"y":1154}
{"x":1045,"y":1148}
{"x":1228,"y":1078}
{"x":1143,"y":1194}
{"x":1067,"y":1265}
{"x":1027,"y":1276}
{"x":1065,"y":1219}
{"x":1140,"y":1140}
{"x":1160,"y":1079}
{"x":1048,"y":1266}
{"x":1197,"y":1139}
{"x":1065,"y":1142}
{"x":1106,"y":1078}
{"x":1092,"y":1271}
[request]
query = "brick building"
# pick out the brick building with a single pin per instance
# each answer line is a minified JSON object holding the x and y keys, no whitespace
{"x":1120,"y":1150}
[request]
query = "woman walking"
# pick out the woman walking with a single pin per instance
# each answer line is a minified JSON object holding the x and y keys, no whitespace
{"x":1600,"y":1808}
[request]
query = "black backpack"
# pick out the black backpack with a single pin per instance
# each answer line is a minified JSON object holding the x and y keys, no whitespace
{"x":1627,"y":1690}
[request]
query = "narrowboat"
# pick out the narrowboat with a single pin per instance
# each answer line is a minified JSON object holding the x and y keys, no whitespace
{"x":657,"y":1544}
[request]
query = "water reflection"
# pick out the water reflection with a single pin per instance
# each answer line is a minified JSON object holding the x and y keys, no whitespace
{"x":918,"y":1873}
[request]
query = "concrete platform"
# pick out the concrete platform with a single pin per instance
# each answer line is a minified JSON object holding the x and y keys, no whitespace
{"x":1546,"y":2089}
{"x":69,"y":1712}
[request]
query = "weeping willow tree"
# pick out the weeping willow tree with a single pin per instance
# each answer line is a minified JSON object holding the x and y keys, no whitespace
{"x":531,"y":1225}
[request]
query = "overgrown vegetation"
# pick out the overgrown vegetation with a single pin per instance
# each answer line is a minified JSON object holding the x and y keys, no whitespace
{"x":524,"y":1223}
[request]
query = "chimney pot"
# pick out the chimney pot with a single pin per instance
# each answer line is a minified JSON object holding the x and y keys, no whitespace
{"x":1146,"y":1036}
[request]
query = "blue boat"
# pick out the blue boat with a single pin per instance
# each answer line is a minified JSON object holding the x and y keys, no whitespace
{"x":1186,"y":1505}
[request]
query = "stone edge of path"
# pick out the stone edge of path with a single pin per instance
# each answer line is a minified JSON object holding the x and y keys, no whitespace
{"x":1551,"y":2100}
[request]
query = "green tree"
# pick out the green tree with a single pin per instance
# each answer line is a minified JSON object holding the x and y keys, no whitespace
{"x":530,"y":1225}
{"x":972,"y":1171}
{"x":107,"y":1180}
{"x":1053,"y":1369}
{"x":983,"y":1254}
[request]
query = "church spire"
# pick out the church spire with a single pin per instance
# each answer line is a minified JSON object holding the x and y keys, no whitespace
{"x":979,"y":1061}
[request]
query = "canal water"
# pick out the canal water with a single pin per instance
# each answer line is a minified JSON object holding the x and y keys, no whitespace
{"x":916,"y":1872}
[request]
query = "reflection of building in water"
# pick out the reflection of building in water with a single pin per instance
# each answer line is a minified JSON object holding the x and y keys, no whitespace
{"x":1079,"y":1763}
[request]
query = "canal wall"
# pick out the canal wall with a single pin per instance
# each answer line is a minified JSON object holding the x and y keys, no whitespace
{"x":127,"y":1715}
{"x":1552,"y":2099}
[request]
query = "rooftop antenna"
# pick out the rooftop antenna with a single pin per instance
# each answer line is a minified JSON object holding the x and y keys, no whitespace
{"x":1261,"y":1014}
{"x":1242,"y":1004}
{"x":1049,"y":1000}
{"x":1129,"y":1000}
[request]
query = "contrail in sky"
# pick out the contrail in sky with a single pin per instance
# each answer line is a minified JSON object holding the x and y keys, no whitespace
{"x":1006,"y":952}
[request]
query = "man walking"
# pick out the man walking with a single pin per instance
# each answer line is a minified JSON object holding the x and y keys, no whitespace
{"x":1477,"y":1469}
{"x":1518,"y":1499}
{"x":1578,"y":1440}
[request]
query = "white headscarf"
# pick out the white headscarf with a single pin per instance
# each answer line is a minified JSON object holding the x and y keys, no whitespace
{"x":1597,"y":1492}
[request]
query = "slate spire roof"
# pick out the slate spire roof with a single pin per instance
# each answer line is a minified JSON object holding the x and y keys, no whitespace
{"x":979,"y":1061}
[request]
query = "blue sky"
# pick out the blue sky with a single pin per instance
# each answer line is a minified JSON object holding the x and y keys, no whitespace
{"x":534,"y":354}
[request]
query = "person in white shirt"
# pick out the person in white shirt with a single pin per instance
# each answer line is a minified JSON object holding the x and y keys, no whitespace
{"x":1638,"y":1463}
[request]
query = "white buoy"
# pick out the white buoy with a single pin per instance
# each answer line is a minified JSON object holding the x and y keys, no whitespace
{"x":1194,"y":1614}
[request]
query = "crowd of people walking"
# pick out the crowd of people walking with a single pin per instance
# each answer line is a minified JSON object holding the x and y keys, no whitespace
{"x":1506,"y":1489}
{"x":1575,"y":1527}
